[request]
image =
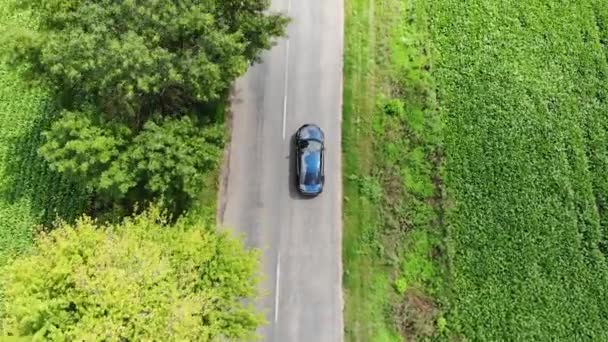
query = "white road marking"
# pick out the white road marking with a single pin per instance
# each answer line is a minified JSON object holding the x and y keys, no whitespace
{"x":285,"y":87}
{"x":277,"y":285}
{"x":277,"y":288}
{"x":286,"y":76}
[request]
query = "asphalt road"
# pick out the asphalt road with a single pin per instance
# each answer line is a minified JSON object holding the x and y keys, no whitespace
{"x":298,"y":82}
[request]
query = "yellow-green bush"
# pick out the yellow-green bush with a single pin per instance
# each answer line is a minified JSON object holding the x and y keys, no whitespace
{"x":139,"y":280}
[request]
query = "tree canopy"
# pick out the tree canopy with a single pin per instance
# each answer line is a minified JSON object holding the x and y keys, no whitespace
{"x":138,"y":89}
{"x":138,"y":83}
{"x":139,"y":280}
{"x":135,"y":58}
{"x":167,"y":160}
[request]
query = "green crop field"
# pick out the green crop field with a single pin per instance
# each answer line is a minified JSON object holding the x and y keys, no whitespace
{"x":512,"y":242}
{"x":523,"y":90}
{"x":30,"y":193}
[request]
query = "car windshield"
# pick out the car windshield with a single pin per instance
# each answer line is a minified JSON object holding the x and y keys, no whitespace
{"x":310,"y":165}
{"x":311,"y":146}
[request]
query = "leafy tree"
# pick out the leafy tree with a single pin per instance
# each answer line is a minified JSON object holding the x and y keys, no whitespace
{"x":135,"y":281}
{"x":166,"y":160}
{"x":79,"y":147}
{"x":136,"y":79}
{"x":135,"y":58}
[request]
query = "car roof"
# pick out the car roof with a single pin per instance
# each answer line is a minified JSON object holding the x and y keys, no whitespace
{"x":310,"y":167}
{"x":311,"y":132}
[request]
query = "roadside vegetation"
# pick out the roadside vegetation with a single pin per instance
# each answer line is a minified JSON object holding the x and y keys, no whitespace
{"x":489,"y":223}
{"x":107,"y":109}
{"x":151,"y":281}
{"x":393,"y":247}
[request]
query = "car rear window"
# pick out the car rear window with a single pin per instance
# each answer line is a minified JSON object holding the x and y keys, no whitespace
{"x":310,"y":166}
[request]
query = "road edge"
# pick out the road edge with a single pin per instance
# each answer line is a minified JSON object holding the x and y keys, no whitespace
{"x":224,"y":172}
{"x":341,"y":22}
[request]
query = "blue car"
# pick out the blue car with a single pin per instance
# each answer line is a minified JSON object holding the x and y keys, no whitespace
{"x":310,"y":148}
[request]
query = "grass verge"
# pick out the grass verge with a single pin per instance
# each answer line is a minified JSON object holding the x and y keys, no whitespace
{"x":508,"y":121}
{"x":393,"y":204}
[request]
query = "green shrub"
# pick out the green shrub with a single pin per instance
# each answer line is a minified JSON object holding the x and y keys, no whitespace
{"x":139,"y":280}
{"x":415,"y":120}
{"x":442,"y":325}
{"x":393,"y":107}
{"x":370,"y":188}
{"x":400,"y":285}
